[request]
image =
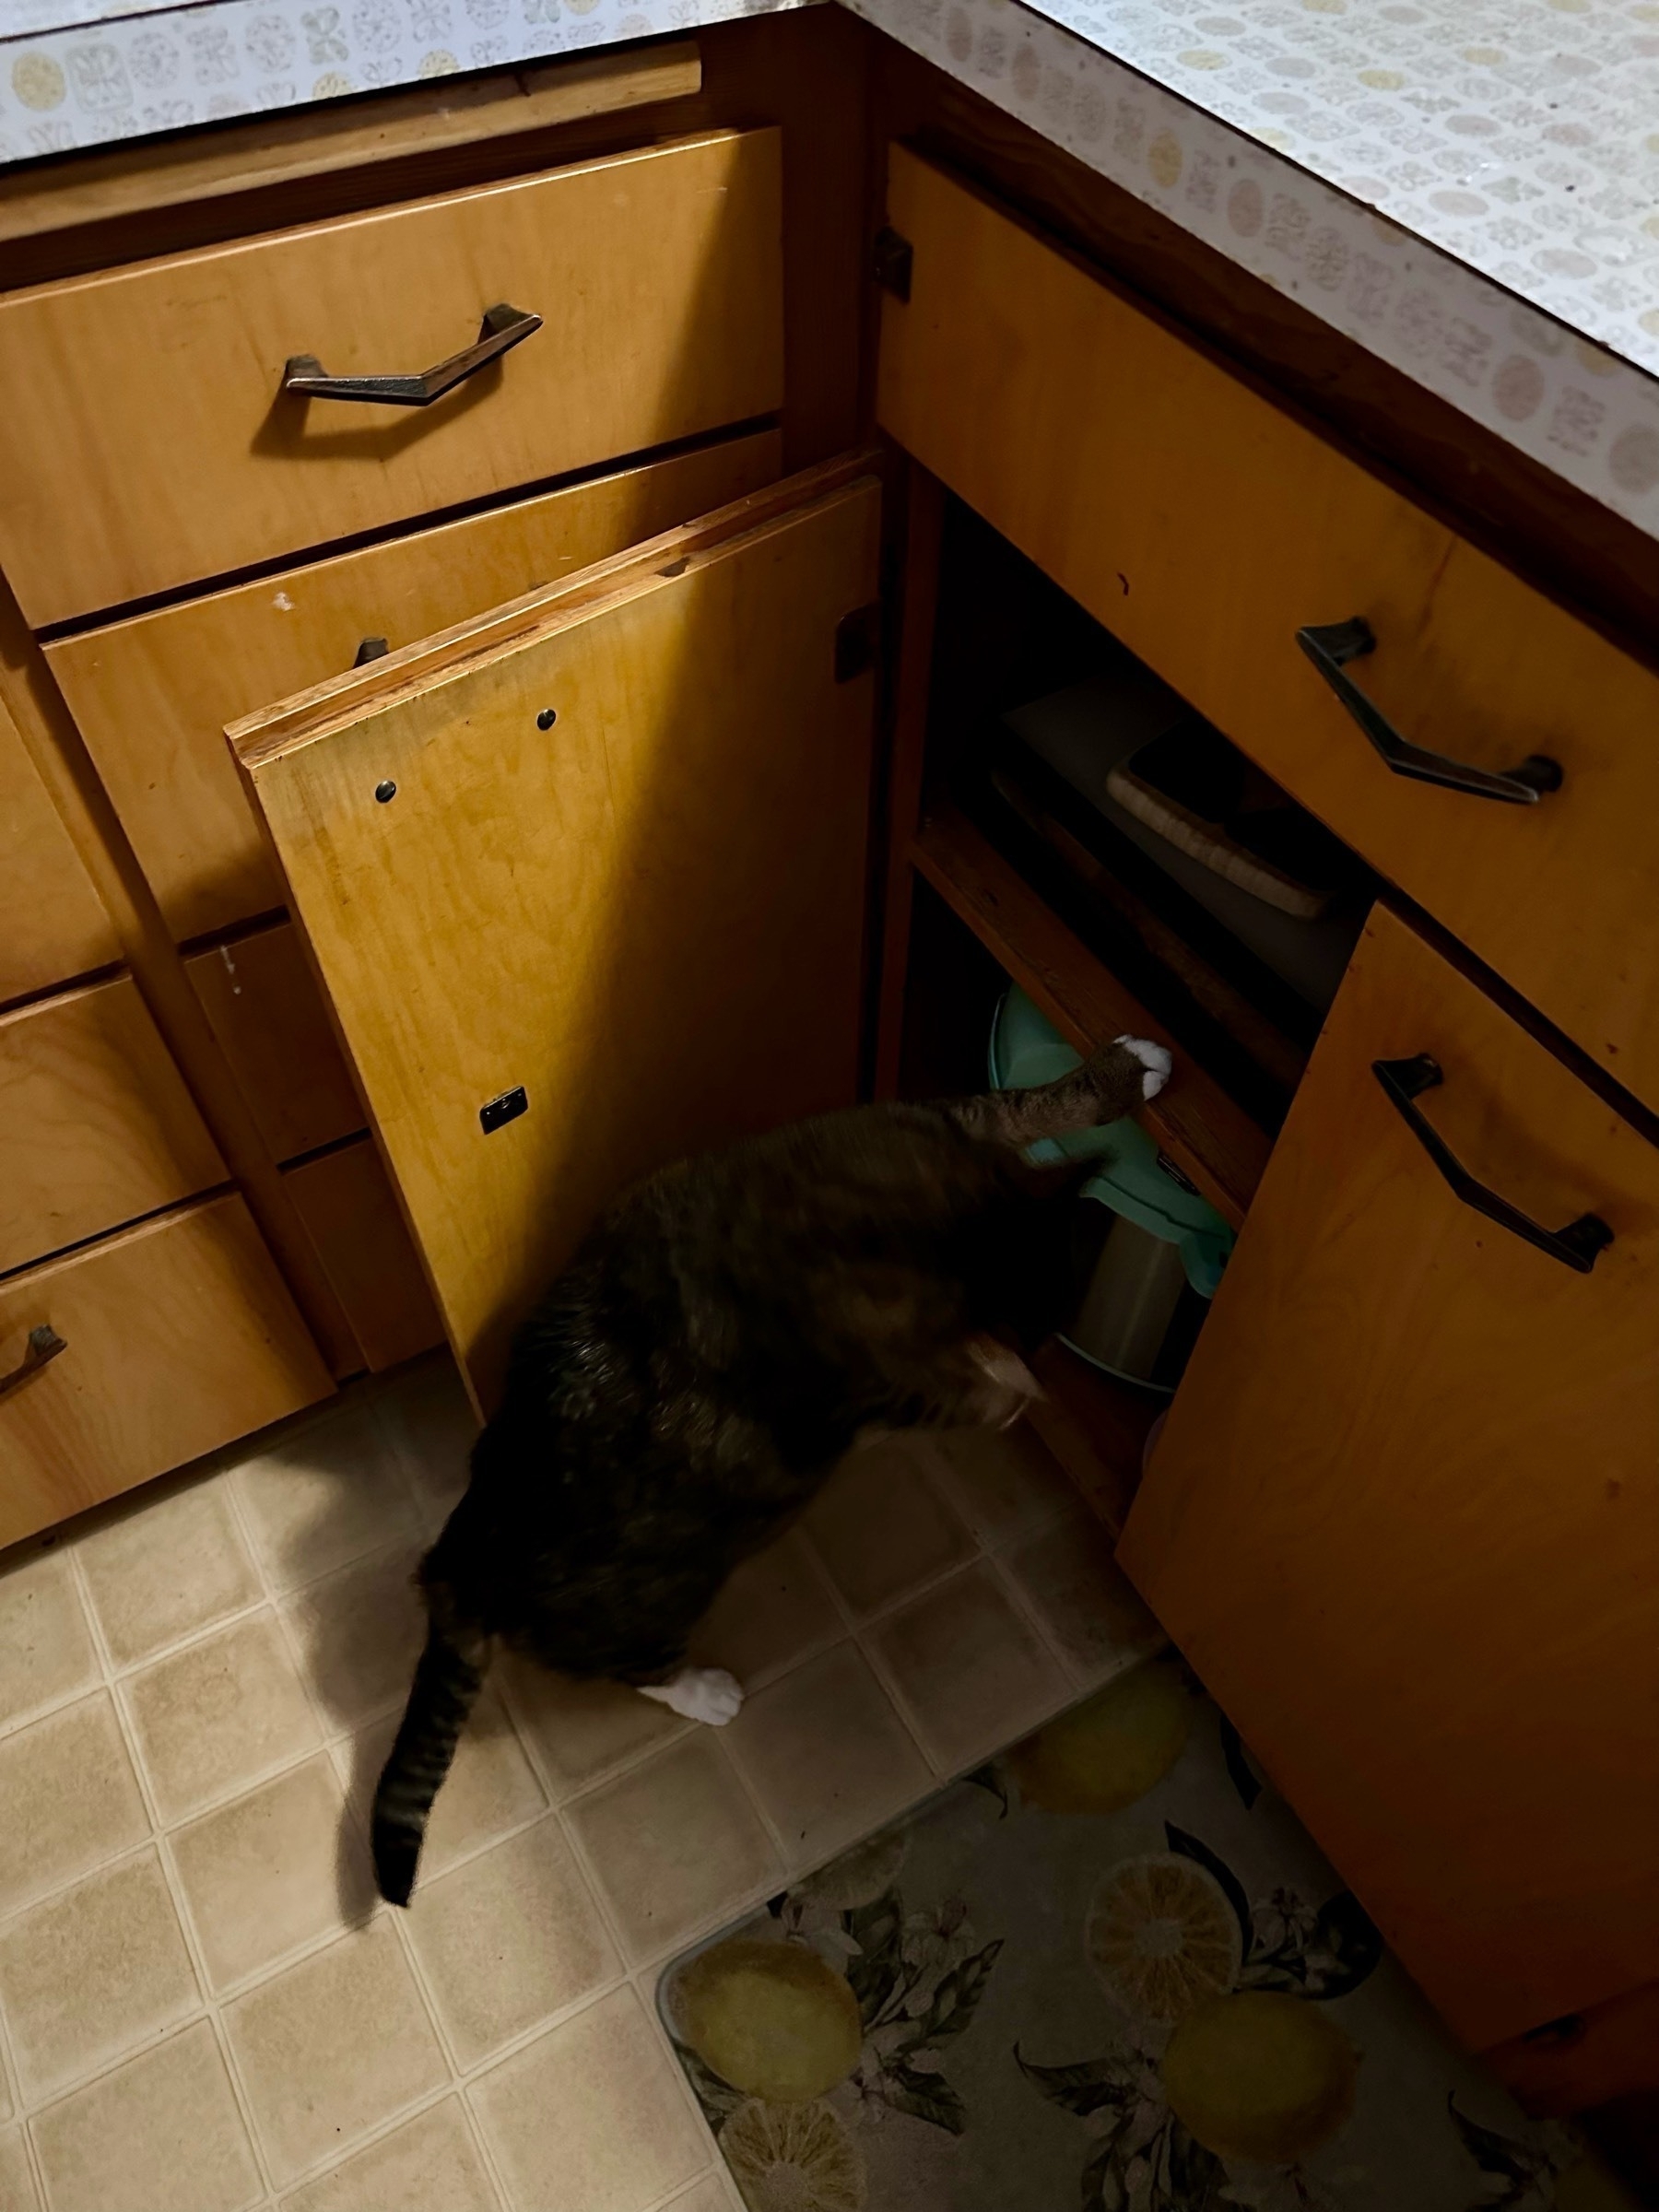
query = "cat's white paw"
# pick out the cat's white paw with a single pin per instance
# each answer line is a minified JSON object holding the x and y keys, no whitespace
{"x":701,"y":1694}
{"x":1157,"y":1059}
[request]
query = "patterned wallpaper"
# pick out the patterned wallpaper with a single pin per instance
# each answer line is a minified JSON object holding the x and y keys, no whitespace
{"x":1468,"y":188}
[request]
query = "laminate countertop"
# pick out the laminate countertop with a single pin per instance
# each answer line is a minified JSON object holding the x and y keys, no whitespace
{"x":1468,"y":188}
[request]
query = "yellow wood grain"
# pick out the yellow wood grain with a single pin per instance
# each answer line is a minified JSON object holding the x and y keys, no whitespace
{"x":146,"y":400}
{"x":96,"y":1124}
{"x":1204,"y":527}
{"x":152,"y":694}
{"x":53,"y":923}
{"x":275,"y":149}
{"x":347,"y":1202}
{"x":180,"y":1337}
{"x":649,"y":914}
{"x":260,"y":996}
{"x":1404,"y":1519}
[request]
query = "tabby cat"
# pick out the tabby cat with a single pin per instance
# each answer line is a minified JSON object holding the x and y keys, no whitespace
{"x":728,"y":1330}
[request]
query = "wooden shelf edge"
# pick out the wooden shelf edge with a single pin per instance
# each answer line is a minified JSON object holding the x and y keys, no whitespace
{"x":1096,"y":1429}
{"x":1201,"y":1129}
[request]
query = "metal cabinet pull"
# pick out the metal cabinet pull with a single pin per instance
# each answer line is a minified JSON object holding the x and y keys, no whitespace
{"x":1575,"y":1246}
{"x":1332,"y":644}
{"x":502,"y":328}
{"x":44,"y":1347}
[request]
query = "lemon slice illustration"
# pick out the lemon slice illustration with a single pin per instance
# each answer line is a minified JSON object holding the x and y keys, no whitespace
{"x":1260,"y":2076}
{"x":774,"y":2019}
{"x":1110,"y":1750}
{"x":1162,"y":1936}
{"x":792,"y":2158}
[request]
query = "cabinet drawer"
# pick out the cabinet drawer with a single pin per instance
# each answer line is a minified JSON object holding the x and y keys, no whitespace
{"x":152,"y":695}
{"x":1404,"y":1519}
{"x":273,"y":1027}
{"x":178,"y":1335}
{"x":347,"y":1203}
{"x":1204,"y":527}
{"x":52,"y":925}
{"x":146,"y":440}
{"x":96,"y":1125}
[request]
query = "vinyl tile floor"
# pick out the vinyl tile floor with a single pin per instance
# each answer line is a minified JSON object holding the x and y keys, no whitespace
{"x":203,"y":2008}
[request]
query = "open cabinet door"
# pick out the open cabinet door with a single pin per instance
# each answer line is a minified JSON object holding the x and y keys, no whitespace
{"x":1403,"y":1518}
{"x":584,"y":879}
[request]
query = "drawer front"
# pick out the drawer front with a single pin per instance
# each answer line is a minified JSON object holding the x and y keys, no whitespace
{"x":347,"y":1203}
{"x":1204,"y":527}
{"x":1403,"y":1518}
{"x":152,"y":695}
{"x":96,"y":1125}
{"x":272,"y":1025}
{"x":53,"y":923}
{"x":146,"y":440}
{"x":179,"y":1335}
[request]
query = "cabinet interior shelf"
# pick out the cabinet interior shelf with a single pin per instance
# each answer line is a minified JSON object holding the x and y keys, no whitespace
{"x":1195,"y":1122}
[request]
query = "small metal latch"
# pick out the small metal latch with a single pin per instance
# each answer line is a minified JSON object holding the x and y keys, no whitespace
{"x":857,"y":640}
{"x":892,"y":262}
{"x":371,"y":649}
{"x":501,"y":1111}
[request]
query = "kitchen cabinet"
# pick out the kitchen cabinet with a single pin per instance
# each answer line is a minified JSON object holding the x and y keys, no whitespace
{"x":670,"y":811}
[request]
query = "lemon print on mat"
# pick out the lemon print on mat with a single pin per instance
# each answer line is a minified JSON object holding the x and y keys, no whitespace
{"x":1162,"y":1936}
{"x":772,"y":2018}
{"x":1260,"y":2076}
{"x":792,"y":2158}
{"x":1110,"y":1750}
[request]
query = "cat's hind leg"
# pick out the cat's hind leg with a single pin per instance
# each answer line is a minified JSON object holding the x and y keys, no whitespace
{"x":699,"y":1693}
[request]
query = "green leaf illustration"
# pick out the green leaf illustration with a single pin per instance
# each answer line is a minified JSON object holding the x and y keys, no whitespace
{"x":1090,"y":2085}
{"x":878,"y":1931}
{"x":957,"y":1998}
{"x":1346,"y":1933}
{"x":926,"y":2097}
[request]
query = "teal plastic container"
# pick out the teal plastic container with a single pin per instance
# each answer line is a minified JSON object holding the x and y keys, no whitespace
{"x":1162,"y":1246}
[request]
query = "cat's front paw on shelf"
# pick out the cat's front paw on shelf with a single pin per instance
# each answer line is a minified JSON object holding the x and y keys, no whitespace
{"x":1157,"y":1059}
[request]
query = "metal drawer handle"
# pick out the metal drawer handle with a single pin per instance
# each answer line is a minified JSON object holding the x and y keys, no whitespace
{"x":502,"y":328}
{"x":1332,"y":644}
{"x":44,"y":1347}
{"x":1575,"y":1246}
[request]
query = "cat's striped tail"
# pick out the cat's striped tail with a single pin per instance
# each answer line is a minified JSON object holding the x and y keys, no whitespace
{"x":447,"y":1681}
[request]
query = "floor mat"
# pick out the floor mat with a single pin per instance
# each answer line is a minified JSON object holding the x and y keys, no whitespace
{"x":1107,"y":1971}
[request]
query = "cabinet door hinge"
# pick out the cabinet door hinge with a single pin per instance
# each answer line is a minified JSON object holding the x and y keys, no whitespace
{"x":857,"y":641}
{"x":892,"y":262}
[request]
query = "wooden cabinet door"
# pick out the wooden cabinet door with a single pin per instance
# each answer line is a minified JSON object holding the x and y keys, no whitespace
{"x":584,"y":880}
{"x":1404,"y":1519}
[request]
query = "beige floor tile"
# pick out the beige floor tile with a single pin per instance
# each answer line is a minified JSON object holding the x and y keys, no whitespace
{"x":68,"y":1799}
{"x":827,"y":1755}
{"x":1004,"y":1482}
{"x":93,"y":1973}
{"x":970,"y":1670}
{"x":162,"y":2134}
{"x":1092,"y":1611}
{"x":6,"y":2095}
{"x":333,"y":2046}
{"x":46,"y":1651}
{"x":708,"y":2194}
{"x":17,"y":2191}
{"x":581,"y":1730}
{"x":271,"y":1871}
{"x":429,"y":2164}
{"x":590,"y":2118}
{"x":490,"y":1789}
{"x":674,"y":1844}
{"x":430,"y":1418}
{"x":509,"y":1939}
{"x":359,"y":1634}
{"x":324,"y":1495}
{"x":881,"y":1527}
{"x":174,"y":1566}
{"x":775,"y":1609}
{"x":218,"y":1715}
